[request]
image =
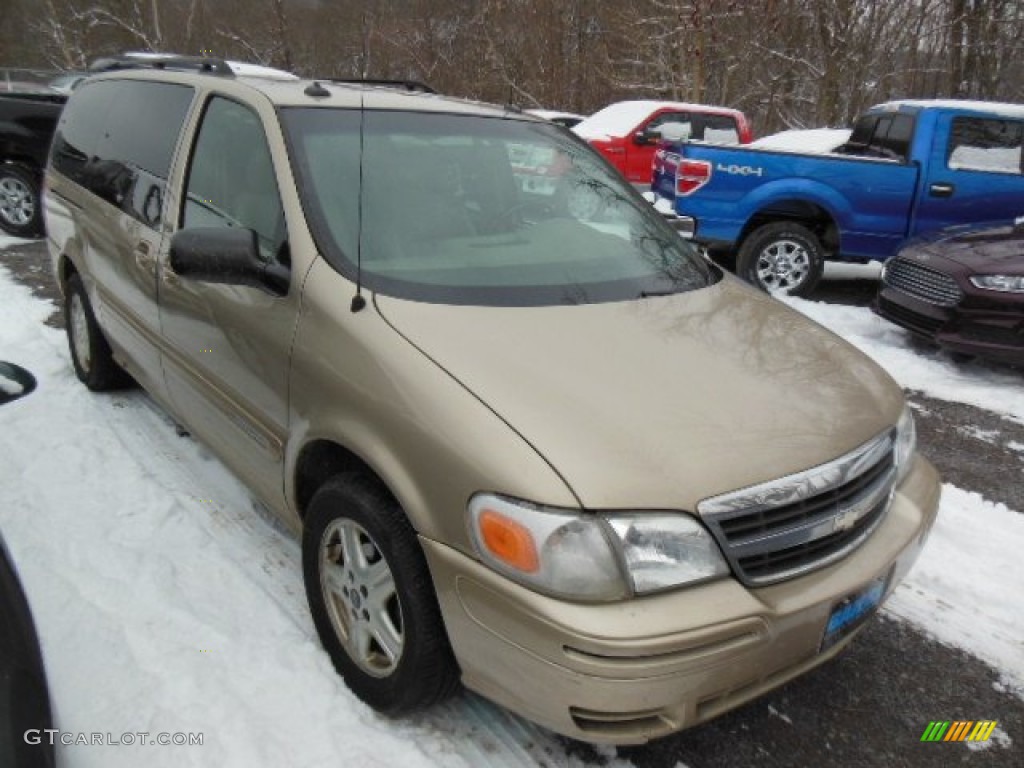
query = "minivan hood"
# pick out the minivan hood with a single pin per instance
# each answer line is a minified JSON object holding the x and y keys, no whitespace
{"x":660,"y":402}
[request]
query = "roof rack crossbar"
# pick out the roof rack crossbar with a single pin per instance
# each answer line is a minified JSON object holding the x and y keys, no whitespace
{"x":208,"y":64}
{"x":408,"y":85}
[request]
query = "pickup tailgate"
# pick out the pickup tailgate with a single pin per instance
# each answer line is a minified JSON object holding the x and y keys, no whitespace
{"x":723,"y":188}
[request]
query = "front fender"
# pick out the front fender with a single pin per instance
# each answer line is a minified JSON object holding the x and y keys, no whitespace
{"x":358,"y":383}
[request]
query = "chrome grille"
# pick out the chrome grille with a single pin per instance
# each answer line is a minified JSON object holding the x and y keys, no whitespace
{"x":793,"y":525}
{"x":922,"y":283}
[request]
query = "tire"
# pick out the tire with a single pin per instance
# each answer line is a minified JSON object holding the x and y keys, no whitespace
{"x":90,"y":353}
{"x":21,"y":211}
{"x":782,"y":258}
{"x":372,"y":598}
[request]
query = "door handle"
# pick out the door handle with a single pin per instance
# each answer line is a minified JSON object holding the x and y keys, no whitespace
{"x":941,"y":189}
{"x":144,"y":255}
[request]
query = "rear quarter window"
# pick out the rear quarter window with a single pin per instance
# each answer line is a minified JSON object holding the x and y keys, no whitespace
{"x":985,"y":144}
{"x":886,"y":136}
{"x":117,"y":139}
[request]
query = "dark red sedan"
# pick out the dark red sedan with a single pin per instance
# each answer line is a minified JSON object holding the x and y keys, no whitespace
{"x":961,"y":288}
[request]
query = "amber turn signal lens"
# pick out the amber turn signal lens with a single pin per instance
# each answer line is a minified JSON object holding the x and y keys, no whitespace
{"x":509,"y":541}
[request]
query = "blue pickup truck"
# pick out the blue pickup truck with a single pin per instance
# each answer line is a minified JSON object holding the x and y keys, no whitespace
{"x":909,"y":167}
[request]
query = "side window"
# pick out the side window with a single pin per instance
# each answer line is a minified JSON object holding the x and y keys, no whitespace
{"x":895,"y":141}
{"x":983,"y":144}
{"x":681,"y":123}
{"x":717,"y":129}
{"x":885,"y":136}
{"x":117,"y":139}
{"x":231,"y":179}
{"x":80,"y":131}
{"x":863,"y":131}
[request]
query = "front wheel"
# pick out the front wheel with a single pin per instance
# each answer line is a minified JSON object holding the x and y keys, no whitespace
{"x":372,"y":598}
{"x":21,"y":214}
{"x":782,"y":258}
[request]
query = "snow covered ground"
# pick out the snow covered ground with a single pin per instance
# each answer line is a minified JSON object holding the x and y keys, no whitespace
{"x":168,"y":602}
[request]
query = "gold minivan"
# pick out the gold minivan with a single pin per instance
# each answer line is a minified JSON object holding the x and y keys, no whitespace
{"x":532,"y":441}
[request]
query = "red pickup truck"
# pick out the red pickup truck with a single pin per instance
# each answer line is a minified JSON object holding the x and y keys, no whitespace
{"x":627,"y":133}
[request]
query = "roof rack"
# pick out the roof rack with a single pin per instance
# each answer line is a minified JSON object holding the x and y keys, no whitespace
{"x":172,"y":61}
{"x":414,"y":86}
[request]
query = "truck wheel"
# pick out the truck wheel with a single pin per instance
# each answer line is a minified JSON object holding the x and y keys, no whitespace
{"x":372,"y":598}
{"x":21,"y":213}
{"x":90,"y":353}
{"x":782,"y":257}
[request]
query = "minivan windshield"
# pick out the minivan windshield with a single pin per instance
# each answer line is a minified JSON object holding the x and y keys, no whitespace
{"x":480,"y":210}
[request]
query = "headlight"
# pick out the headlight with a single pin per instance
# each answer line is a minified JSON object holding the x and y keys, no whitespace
{"x":1002,"y":283}
{"x":591,"y":556}
{"x":664,"y":551}
{"x":906,"y":443}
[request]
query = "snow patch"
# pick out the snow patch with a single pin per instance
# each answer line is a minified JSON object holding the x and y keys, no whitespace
{"x":6,"y":241}
{"x":10,"y":387}
{"x":985,"y":435}
{"x":812,"y":141}
{"x":165,"y":604}
{"x":965,"y":588}
{"x":624,"y":116}
{"x":999,"y":738}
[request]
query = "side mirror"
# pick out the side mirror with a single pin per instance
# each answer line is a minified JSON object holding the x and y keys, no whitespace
{"x":227,"y":255}
{"x":15,"y":382}
{"x":644,"y":138}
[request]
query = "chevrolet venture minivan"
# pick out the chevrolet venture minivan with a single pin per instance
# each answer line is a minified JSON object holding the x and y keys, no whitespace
{"x":558,"y":458}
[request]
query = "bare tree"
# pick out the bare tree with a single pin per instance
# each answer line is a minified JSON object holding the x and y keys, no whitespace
{"x":786,"y":63}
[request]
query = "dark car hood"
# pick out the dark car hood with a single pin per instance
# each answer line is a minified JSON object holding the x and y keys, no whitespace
{"x":982,"y":250}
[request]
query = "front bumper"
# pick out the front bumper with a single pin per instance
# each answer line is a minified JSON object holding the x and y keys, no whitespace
{"x":631,"y":671}
{"x":994,"y":333}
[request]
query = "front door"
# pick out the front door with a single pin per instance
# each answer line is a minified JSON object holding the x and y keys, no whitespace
{"x":975,"y":176}
{"x":228,"y":347}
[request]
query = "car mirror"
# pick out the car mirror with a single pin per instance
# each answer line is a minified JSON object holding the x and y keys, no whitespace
{"x":227,"y":255}
{"x":15,"y":382}
{"x":643,"y":138}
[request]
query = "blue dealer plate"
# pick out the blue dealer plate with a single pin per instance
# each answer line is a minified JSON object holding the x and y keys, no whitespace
{"x":850,"y":612}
